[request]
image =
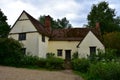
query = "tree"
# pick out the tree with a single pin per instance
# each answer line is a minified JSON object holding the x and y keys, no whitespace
{"x":64,"y":23}
{"x":57,"y":24}
{"x":4,"y":27}
{"x":112,"y":40}
{"x":105,"y":16}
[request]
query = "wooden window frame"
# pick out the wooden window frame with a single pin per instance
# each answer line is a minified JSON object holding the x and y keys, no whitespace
{"x":22,"y":36}
{"x":59,"y":52}
{"x":92,"y":50}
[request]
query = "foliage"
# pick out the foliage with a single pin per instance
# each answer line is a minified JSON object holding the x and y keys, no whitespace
{"x":57,"y":24}
{"x":103,"y":14}
{"x":112,"y":40}
{"x":50,"y":55}
{"x":28,"y":60}
{"x":51,"y":63}
{"x":4,"y":27}
{"x":75,"y":55}
{"x":54,"y":63}
{"x":41,"y":63}
{"x":104,"y":71}
{"x":108,"y":55}
{"x":63,"y":23}
{"x":81,"y":65}
{"x":10,"y":51}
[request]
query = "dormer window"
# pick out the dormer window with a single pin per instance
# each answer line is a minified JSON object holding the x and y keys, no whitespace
{"x":43,"y":38}
{"x":22,"y":36}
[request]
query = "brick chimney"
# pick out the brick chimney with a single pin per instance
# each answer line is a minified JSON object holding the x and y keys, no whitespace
{"x":48,"y":23}
{"x":97,"y":25}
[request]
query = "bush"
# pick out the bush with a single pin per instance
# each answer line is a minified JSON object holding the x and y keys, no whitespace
{"x":10,"y":52}
{"x":54,"y":63}
{"x":81,"y":65}
{"x":49,"y":55}
{"x":29,"y":60}
{"x":42,"y":63}
{"x":108,"y":55}
{"x":75,"y":55}
{"x":104,"y":71}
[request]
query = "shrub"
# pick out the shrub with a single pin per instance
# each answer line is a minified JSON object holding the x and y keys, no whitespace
{"x":54,"y":63}
{"x":29,"y":60}
{"x":10,"y":52}
{"x":104,"y":71}
{"x":108,"y":55}
{"x":42,"y":63}
{"x":81,"y":65}
{"x":112,"y":40}
{"x":75,"y":55}
{"x":49,"y":55}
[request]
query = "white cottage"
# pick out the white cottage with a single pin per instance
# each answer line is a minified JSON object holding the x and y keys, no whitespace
{"x":40,"y":39}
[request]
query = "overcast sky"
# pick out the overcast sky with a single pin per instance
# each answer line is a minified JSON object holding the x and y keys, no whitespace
{"x":75,"y":11}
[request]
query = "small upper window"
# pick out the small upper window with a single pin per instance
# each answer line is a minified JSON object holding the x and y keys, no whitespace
{"x":59,"y":52}
{"x":22,"y":36}
{"x":43,"y":38}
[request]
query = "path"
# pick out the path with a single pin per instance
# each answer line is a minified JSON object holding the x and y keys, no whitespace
{"x":10,"y":73}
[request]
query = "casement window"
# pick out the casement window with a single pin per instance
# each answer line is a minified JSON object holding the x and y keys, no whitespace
{"x":59,"y":52}
{"x":92,"y":50}
{"x":43,"y":38}
{"x":23,"y":50}
{"x":22,"y":36}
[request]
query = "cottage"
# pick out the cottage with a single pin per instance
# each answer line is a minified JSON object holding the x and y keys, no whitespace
{"x":39,"y":39}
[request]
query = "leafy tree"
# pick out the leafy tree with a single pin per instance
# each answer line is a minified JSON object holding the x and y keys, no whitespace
{"x":57,"y":24}
{"x":64,"y":23}
{"x":112,"y":40}
{"x":105,"y":16}
{"x":4,"y":27}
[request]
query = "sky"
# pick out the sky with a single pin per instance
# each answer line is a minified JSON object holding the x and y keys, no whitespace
{"x":75,"y":11}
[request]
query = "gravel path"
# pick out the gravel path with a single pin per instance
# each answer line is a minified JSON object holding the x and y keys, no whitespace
{"x":10,"y":73}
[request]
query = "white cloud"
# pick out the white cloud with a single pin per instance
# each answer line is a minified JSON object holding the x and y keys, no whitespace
{"x":76,"y":11}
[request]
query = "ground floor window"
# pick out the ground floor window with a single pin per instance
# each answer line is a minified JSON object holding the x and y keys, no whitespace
{"x":92,"y":50}
{"x":23,"y":50}
{"x":59,"y":52}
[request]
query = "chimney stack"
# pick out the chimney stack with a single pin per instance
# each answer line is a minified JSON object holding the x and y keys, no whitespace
{"x":97,"y":25}
{"x":48,"y":23}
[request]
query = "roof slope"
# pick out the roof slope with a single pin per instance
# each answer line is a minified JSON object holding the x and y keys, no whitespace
{"x":72,"y":34}
{"x":40,"y":28}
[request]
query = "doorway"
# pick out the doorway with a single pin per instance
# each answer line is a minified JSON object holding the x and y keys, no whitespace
{"x":67,"y":54}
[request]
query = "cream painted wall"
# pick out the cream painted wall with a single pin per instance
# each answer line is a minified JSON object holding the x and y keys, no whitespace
{"x":43,"y":46}
{"x":89,"y":41}
{"x":64,"y":45}
{"x":23,"y":25}
{"x":31,"y":43}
